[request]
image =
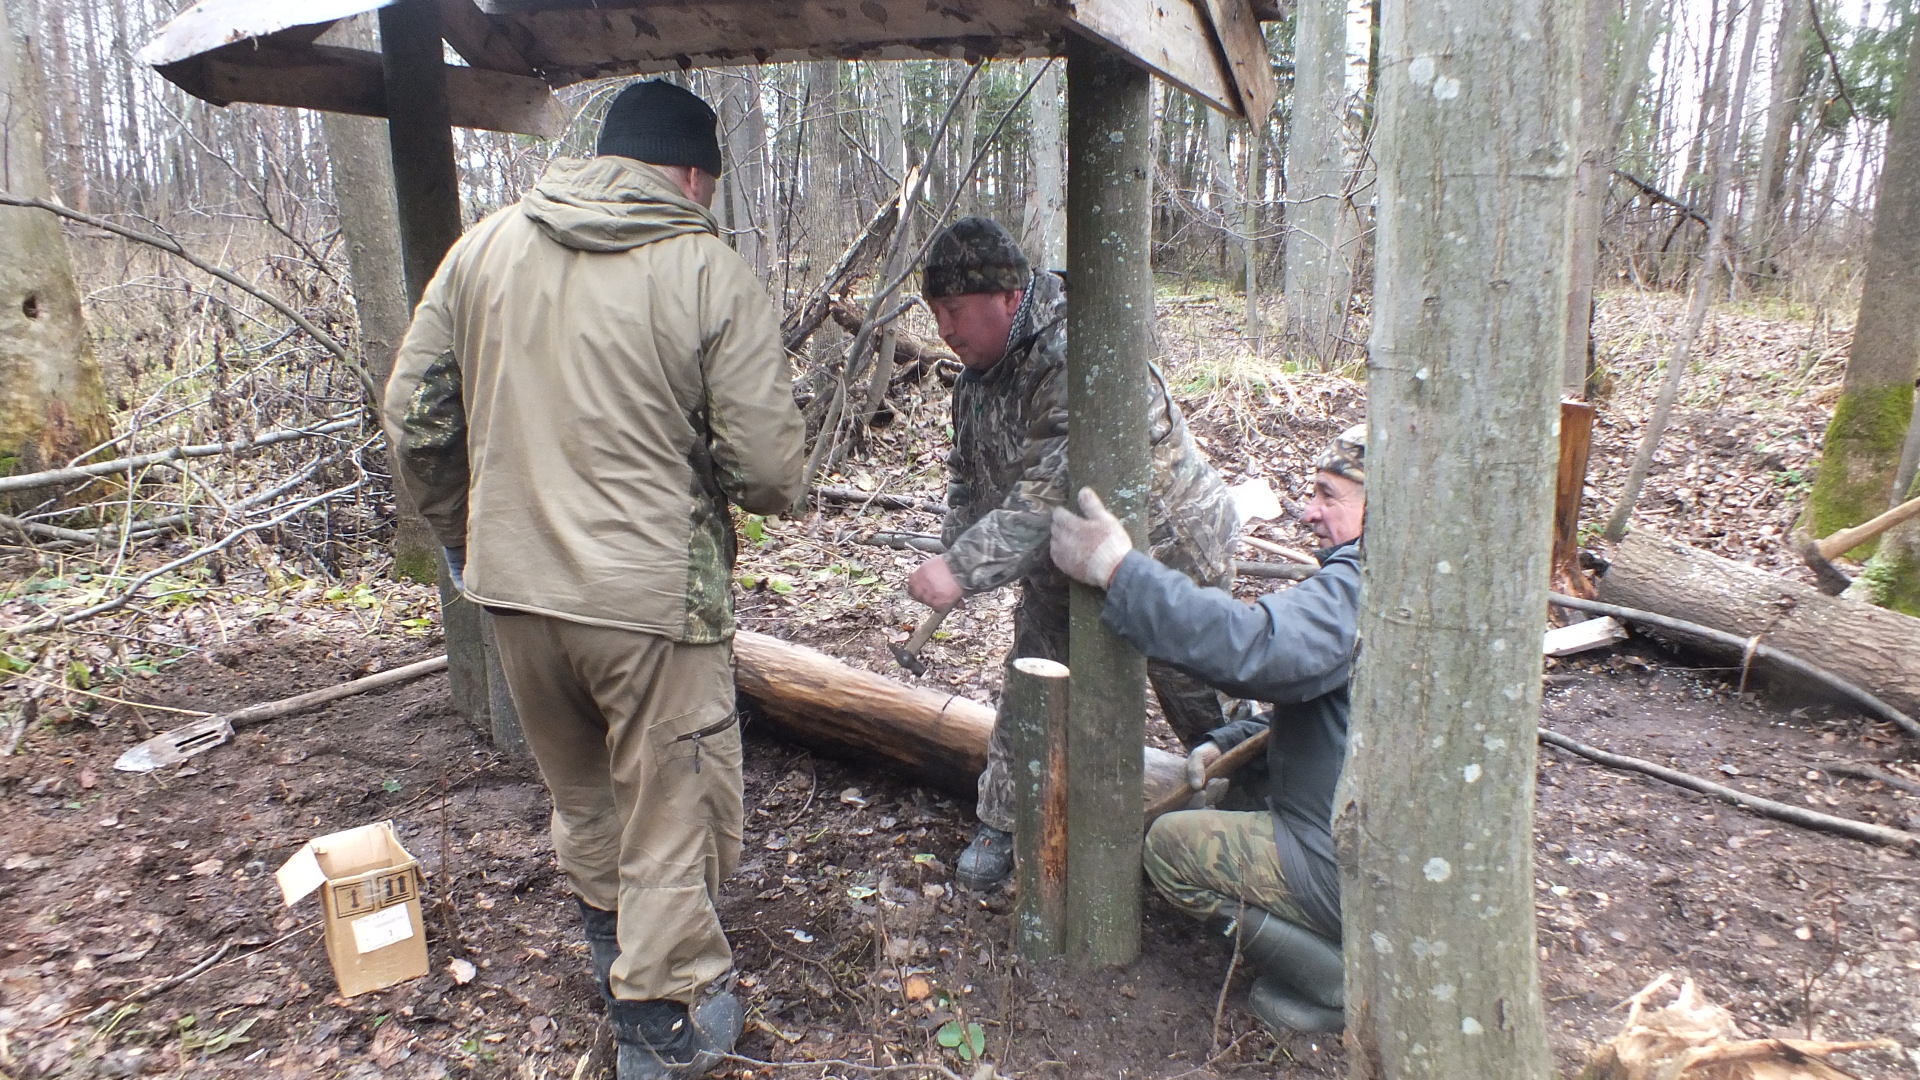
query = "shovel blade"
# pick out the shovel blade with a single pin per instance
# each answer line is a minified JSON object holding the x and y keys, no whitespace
{"x":176,"y":745}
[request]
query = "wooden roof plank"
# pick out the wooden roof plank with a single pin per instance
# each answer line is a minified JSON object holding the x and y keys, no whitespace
{"x":334,"y":79}
{"x":480,"y":40}
{"x":1171,"y":38}
{"x":1237,"y":29}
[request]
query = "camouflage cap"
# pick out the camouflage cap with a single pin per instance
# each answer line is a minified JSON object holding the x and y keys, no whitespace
{"x":973,"y":255}
{"x":1346,"y":455}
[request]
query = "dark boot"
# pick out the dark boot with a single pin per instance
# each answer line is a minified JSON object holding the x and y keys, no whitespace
{"x":1301,"y":982}
{"x":660,"y":1040}
{"x":603,"y":940}
{"x":1282,"y":1010}
{"x":986,"y":862}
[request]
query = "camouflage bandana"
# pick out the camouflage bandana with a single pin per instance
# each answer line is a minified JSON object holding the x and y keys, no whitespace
{"x":1346,"y":455}
{"x":973,"y":255}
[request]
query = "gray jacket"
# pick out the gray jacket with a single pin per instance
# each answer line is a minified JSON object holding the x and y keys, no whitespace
{"x":1293,"y":648}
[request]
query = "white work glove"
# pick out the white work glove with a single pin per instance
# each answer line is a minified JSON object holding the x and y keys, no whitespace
{"x":1089,"y":549}
{"x":1198,"y":760}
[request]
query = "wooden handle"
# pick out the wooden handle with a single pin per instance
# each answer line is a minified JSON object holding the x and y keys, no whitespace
{"x":924,"y":633}
{"x":1847,"y":539}
{"x":1224,"y":765}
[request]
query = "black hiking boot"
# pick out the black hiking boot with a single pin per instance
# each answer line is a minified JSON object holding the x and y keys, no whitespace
{"x":661,"y":1040}
{"x":986,"y":862}
{"x":603,"y":940}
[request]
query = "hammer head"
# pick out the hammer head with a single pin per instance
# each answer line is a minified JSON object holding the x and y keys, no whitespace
{"x":1831,"y":580}
{"x":908,"y":660}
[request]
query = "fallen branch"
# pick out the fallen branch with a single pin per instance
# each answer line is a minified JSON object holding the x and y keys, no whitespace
{"x":838,"y":494}
{"x":1868,"y":772}
{"x":116,"y":603}
{"x":1807,"y":819}
{"x":79,"y":473}
{"x":1765,"y":652}
{"x":1655,"y":195}
{"x":172,"y":247}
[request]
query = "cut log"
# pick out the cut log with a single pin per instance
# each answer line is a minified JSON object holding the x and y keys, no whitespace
{"x":940,"y":739}
{"x":1873,"y":648}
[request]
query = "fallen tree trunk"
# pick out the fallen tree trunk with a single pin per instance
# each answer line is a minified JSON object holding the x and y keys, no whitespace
{"x":1873,"y":648}
{"x":941,"y":739}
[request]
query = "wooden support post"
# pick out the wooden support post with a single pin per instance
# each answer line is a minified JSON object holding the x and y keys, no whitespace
{"x":1109,"y":321}
{"x":1576,"y":445}
{"x":426,"y":187}
{"x":1035,"y":705}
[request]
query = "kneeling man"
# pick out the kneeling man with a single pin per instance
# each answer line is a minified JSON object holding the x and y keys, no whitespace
{"x":1266,"y":875}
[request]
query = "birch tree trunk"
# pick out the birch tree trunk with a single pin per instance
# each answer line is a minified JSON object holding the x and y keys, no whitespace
{"x":1045,"y":236}
{"x":1791,"y":46}
{"x":52,"y":402}
{"x":1864,"y":441}
{"x":1317,"y":275}
{"x":747,"y":204}
{"x":1475,"y":147}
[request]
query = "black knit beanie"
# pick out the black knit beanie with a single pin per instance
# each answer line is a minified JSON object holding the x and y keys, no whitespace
{"x":661,"y":124}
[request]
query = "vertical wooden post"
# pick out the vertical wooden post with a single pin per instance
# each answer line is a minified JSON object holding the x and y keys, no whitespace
{"x":1576,"y":445}
{"x":426,"y":186}
{"x":1109,"y":320}
{"x":1035,"y":704}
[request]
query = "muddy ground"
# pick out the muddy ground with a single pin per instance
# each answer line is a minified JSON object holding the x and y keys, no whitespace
{"x":853,"y":949}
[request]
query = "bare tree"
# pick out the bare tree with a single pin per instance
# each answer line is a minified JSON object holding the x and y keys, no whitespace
{"x":358,"y":155}
{"x":1876,"y":396}
{"x":52,"y":402}
{"x":1435,"y":828}
{"x":1046,"y":216}
{"x":1317,"y":278}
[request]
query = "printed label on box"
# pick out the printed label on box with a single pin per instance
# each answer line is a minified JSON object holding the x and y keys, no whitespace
{"x":381,"y":929}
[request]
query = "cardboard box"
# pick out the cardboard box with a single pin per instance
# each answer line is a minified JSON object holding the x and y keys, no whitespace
{"x":370,"y":894}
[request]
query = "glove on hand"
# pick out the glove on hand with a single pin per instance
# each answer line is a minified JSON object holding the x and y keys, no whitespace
{"x":1089,"y":549}
{"x":1197,"y":761}
{"x":457,"y":566}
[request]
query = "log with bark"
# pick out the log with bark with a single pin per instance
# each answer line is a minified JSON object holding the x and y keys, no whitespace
{"x":1873,"y":648}
{"x":941,"y":739}
{"x":912,"y":355}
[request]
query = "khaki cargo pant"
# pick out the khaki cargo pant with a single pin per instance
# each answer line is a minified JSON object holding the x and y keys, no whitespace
{"x":1206,"y":860}
{"x":1191,"y":707}
{"x":637,"y":740}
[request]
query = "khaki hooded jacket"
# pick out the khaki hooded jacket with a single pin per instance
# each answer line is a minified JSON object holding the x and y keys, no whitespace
{"x":590,"y":378}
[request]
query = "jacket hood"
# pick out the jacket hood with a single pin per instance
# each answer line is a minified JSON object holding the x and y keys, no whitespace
{"x":611,"y":204}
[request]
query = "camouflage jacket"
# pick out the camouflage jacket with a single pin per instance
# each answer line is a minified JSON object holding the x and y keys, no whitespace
{"x":591,"y":377}
{"x":1007,"y":470}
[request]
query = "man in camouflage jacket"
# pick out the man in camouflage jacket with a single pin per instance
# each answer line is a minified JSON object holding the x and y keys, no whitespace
{"x":1008,"y":470}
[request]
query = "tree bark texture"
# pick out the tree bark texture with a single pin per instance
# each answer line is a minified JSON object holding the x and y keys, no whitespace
{"x":939,"y":738}
{"x":1034,"y":704}
{"x":1873,"y":648}
{"x":52,"y":401}
{"x":1869,"y":427}
{"x":362,"y":167}
{"x":426,"y":187}
{"x":1109,"y":327}
{"x":1476,"y":152}
{"x":1792,"y":43}
{"x":1317,"y":274}
{"x":1046,"y":225}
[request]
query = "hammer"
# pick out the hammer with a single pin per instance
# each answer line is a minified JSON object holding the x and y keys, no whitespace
{"x":1819,"y":553}
{"x":909,"y":654}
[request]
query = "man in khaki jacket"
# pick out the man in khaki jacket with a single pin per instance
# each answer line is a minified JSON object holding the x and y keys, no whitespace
{"x":591,"y":377}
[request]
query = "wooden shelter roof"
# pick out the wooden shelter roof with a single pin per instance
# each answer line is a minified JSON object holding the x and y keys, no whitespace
{"x":517,"y":52}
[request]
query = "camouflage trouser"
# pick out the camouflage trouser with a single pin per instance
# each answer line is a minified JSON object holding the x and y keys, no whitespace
{"x":1191,"y":707}
{"x":1206,"y":860}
